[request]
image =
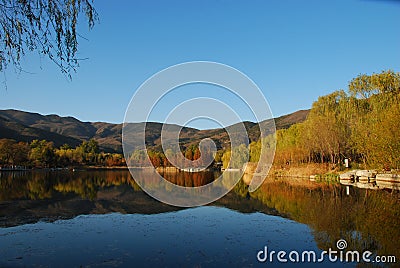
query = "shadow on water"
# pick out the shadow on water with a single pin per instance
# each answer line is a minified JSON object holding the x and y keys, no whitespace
{"x":367,"y":220}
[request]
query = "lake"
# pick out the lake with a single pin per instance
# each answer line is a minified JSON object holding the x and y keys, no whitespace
{"x":102,"y":218}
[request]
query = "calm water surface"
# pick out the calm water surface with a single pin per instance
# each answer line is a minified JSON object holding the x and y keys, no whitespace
{"x":102,"y":218}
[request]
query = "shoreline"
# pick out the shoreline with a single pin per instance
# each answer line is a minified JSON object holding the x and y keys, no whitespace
{"x":81,"y":168}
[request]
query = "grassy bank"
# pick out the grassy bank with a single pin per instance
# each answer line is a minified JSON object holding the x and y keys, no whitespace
{"x":302,"y":170}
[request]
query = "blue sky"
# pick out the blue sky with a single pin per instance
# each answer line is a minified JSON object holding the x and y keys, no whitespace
{"x":294,"y":51}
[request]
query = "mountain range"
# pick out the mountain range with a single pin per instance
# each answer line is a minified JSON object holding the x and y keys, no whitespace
{"x":27,"y":126}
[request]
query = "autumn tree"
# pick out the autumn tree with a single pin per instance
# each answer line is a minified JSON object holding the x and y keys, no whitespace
{"x":6,"y":150}
{"x":362,"y":125}
{"x":12,"y":152}
{"x":291,"y":146}
{"x":226,"y":158}
{"x":42,"y":153}
{"x":326,"y":128}
{"x":138,"y":158}
{"x":86,"y":152}
{"x":376,"y":121}
{"x":365,"y":86}
{"x":196,"y":154}
{"x":65,"y":155}
{"x":113,"y":160}
{"x":236,"y":157}
{"x":189,"y":153}
{"x":156,"y":158}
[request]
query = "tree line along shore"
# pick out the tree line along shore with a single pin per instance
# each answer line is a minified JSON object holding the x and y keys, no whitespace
{"x":360,"y":124}
{"x":43,"y":154}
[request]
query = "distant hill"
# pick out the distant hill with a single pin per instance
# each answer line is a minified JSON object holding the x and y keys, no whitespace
{"x":26,"y":126}
{"x":19,"y":132}
{"x":286,"y":121}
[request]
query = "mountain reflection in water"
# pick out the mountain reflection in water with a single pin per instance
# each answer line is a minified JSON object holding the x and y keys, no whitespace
{"x":367,"y":220}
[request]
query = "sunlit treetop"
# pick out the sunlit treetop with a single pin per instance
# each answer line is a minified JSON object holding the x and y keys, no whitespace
{"x":364,"y":86}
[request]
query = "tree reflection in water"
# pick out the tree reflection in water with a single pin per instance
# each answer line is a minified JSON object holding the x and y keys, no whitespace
{"x":190,"y":179}
{"x":367,"y":220}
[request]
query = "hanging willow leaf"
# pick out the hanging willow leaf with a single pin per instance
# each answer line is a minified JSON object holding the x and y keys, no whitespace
{"x":46,"y":26}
